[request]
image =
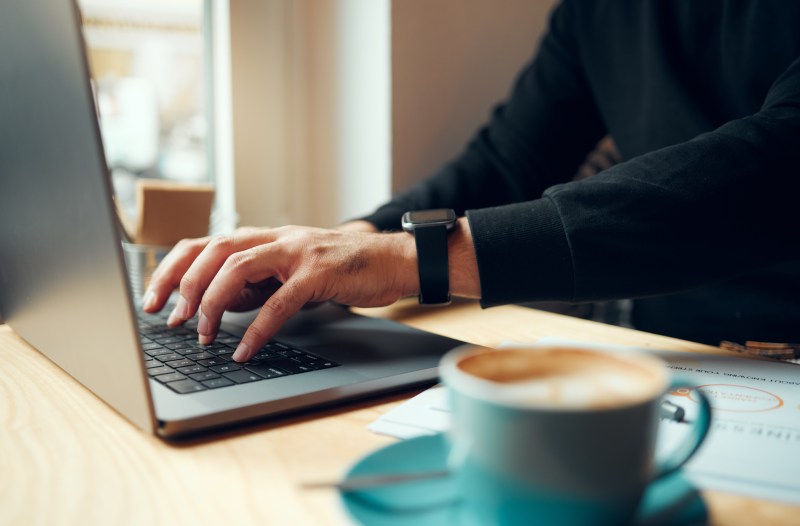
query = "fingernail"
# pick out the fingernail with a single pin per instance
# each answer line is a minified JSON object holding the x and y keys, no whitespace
{"x":242,"y":353}
{"x":205,"y":339}
{"x":203,"y":325}
{"x":179,"y":313}
{"x":148,"y":300}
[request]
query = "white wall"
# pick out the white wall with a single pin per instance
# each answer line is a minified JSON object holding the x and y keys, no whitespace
{"x":333,"y":99}
{"x":363,"y":106}
{"x":216,"y":20}
{"x":310,"y":109}
{"x":452,"y":61}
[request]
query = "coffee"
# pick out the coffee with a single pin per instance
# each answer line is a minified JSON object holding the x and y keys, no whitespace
{"x":564,"y":377}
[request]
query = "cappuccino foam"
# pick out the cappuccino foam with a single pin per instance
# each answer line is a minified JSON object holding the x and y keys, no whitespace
{"x":567,"y":378}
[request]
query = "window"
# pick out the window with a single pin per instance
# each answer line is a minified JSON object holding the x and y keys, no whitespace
{"x":147,"y":63}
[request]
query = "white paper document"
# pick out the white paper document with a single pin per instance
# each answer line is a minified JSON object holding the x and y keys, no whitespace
{"x":753,"y":447}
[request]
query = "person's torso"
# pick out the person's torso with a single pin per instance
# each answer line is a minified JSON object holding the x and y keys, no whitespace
{"x":663,"y":72}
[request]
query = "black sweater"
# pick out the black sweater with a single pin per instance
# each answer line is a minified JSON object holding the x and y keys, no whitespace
{"x":700,"y":224}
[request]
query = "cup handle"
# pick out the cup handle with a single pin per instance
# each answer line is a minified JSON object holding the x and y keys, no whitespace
{"x":691,"y":443}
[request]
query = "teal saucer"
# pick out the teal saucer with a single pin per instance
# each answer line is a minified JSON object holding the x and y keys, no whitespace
{"x":671,"y":501}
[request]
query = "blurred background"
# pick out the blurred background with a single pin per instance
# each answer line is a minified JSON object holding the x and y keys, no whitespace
{"x":148,"y":63}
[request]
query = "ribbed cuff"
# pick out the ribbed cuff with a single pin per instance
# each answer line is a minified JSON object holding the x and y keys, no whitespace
{"x":522,"y":253}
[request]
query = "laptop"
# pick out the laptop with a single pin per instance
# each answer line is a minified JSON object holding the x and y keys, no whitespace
{"x":64,"y":286}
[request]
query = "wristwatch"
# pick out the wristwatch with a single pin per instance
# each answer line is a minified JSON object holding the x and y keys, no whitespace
{"x":430,"y":229}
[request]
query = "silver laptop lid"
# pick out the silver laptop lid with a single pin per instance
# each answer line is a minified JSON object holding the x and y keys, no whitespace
{"x":62,"y":276}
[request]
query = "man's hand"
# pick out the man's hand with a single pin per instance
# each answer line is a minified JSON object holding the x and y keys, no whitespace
{"x":358,"y":225}
{"x":280,"y":269}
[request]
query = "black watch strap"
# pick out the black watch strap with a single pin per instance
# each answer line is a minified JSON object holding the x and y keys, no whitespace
{"x":434,"y":276}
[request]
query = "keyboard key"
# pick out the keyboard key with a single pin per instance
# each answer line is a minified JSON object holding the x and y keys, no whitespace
{"x":217,"y":382}
{"x":154,"y":332}
{"x":264,"y":370}
{"x":168,"y":357}
{"x":199,"y":356}
{"x":225,"y":367}
{"x":212,"y":346}
{"x":180,"y":363}
{"x":307,"y":359}
{"x":175,"y":358}
{"x":186,"y":350}
{"x":326,"y":364}
{"x":191,"y":369}
{"x":157,"y":352}
{"x":202,"y":377}
{"x":264,"y":355}
{"x":290,"y":366}
{"x":171,"y":377}
{"x":217,"y":360}
{"x":155,"y":371}
{"x":242,"y":376}
{"x":178,"y":346}
{"x":315,"y":362}
{"x":221,"y":351}
{"x":186,"y":386}
{"x":168,"y":339}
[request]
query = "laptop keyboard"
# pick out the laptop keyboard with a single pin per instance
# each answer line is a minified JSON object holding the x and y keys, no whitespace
{"x":175,"y":358}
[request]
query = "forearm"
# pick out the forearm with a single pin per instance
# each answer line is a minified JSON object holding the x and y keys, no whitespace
{"x":718,"y":206}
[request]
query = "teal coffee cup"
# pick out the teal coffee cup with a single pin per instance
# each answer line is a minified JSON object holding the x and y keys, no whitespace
{"x":558,"y":435}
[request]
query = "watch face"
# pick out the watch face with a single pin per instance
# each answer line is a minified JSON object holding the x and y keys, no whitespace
{"x":443,"y":215}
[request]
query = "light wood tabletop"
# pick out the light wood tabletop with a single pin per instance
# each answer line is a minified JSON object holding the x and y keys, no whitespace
{"x":67,"y":458}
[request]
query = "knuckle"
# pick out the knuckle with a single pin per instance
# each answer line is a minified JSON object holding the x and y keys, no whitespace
{"x":188,"y":285}
{"x":187,"y":245}
{"x":221,"y":244}
{"x":238,"y":262}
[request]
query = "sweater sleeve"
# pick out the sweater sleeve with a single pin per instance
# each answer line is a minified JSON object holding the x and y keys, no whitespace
{"x":536,"y":139}
{"x":719,"y":205}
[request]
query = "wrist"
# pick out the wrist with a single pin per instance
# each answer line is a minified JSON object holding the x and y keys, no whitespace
{"x":462,"y":262}
{"x":405,"y":263}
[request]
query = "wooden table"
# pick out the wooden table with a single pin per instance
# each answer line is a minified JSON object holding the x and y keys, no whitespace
{"x":67,"y":458}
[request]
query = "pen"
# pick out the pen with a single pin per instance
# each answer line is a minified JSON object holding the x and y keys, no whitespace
{"x":672,"y":411}
{"x":372,"y":481}
{"x":777,"y":351}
